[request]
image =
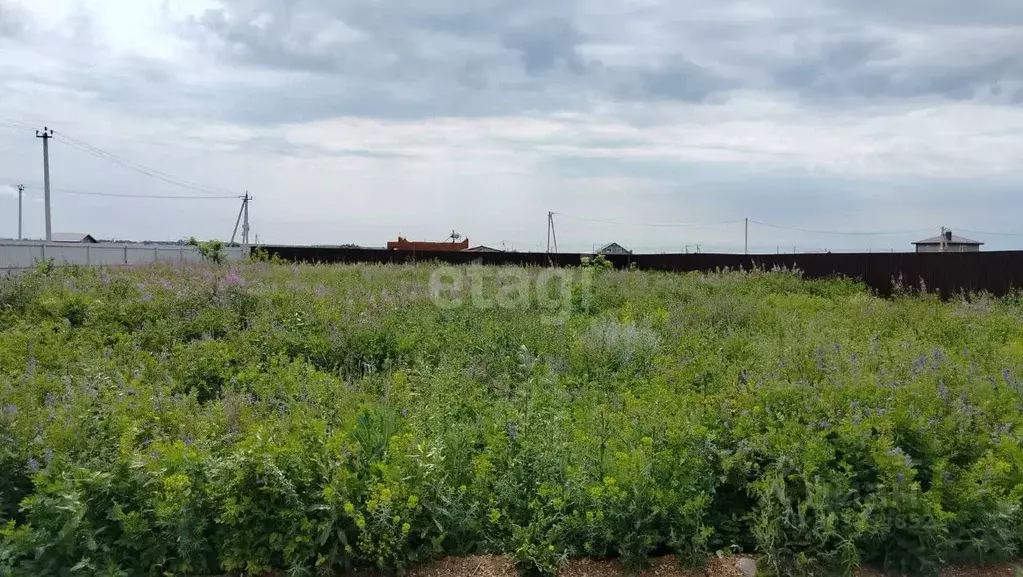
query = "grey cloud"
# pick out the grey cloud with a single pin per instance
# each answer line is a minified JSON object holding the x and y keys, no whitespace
{"x":943,"y":12}
{"x":547,"y":46}
{"x":14,"y":20}
{"x":682,"y":80}
{"x":872,"y":65}
{"x":300,"y":60}
{"x":432,"y":58}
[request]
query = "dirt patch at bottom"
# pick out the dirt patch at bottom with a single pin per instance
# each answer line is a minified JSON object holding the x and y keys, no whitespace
{"x":1008,"y":569}
{"x":497,"y":566}
{"x":478,"y":566}
{"x":662,"y":567}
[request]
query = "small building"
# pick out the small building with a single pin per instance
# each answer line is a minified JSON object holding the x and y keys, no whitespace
{"x":482,"y":248}
{"x":78,"y":237}
{"x":947,"y":242}
{"x":404,"y":244}
{"x":614,"y":248}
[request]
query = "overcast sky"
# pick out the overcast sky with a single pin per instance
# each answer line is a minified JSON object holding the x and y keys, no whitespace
{"x":357,"y":120}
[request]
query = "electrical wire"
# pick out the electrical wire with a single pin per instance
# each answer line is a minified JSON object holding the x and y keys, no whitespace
{"x":675,"y":225}
{"x":761,"y":223}
{"x":83,"y":146}
{"x":849,"y":233}
{"x":139,"y":196}
{"x":981,"y":232}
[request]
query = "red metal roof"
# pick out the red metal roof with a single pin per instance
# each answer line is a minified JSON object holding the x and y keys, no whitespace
{"x":403,"y":244}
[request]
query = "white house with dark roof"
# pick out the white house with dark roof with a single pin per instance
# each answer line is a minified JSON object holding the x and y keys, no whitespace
{"x":948,"y":242}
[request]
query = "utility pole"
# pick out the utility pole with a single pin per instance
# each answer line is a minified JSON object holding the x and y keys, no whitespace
{"x":245,"y":224}
{"x":746,"y":241}
{"x":242,"y":212}
{"x":21,"y":192}
{"x":237,"y":221}
{"x":548,"y":234}
{"x":46,"y":135}
{"x":551,"y":234}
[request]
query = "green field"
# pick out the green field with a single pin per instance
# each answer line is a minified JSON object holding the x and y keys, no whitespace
{"x":201,"y":419}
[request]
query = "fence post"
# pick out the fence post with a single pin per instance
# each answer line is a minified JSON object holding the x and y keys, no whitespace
{"x":125,"y":255}
{"x":88,"y":254}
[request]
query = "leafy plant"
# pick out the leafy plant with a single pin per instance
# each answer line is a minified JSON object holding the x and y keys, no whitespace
{"x":210,"y":251}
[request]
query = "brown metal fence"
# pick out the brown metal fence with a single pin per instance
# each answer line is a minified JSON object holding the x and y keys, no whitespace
{"x":998,"y":273}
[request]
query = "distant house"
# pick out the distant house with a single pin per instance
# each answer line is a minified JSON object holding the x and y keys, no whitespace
{"x":72,"y":237}
{"x":614,"y":248}
{"x":482,"y":248}
{"x":947,"y":242}
{"x":405,"y":244}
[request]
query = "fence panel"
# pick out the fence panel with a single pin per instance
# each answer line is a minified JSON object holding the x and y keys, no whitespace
{"x":946,"y":273}
{"x":18,"y":255}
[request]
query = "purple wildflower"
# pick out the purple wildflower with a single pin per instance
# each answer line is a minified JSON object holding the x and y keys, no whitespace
{"x":10,"y":409}
{"x":33,"y":465}
{"x":1007,"y":377}
{"x":512,"y":431}
{"x":48,"y":456}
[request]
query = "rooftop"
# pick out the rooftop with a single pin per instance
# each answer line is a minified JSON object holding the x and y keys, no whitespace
{"x":72,"y":237}
{"x":949,"y":239}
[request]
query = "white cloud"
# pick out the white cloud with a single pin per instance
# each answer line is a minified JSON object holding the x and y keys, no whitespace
{"x":7,"y":191}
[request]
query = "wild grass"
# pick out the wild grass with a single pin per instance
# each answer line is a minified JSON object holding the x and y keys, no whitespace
{"x":199,"y":419}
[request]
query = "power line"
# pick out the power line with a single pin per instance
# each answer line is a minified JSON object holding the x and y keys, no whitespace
{"x":140,"y":196}
{"x":15,"y":124}
{"x":850,"y":233}
{"x":990,"y":233}
{"x":674,"y":225}
{"x":83,"y":146}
